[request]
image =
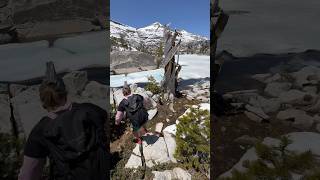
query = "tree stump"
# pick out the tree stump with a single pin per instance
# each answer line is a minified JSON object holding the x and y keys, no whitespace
{"x":171,"y":68}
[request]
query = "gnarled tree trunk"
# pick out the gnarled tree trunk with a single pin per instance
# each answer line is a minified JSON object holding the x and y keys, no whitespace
{"x":171,"y":67}
{"x":218,"y":21}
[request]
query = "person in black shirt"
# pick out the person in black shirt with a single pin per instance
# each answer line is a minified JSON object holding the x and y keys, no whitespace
{"x":133,"y":105}
{"x":72,"y":136}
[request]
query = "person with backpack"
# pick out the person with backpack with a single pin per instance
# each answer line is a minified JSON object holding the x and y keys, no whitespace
{"x":134,"y":107}
{"x":71,"y":136}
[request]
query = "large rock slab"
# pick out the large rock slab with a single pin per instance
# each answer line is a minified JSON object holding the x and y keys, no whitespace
{"x":267,"y":105}
{"x":75,"y":81}
{"x":307,"y":76}
{"x":176,"y":173}
{"x":299,"y":118}
{"x":28,"y":109}
{"x":257,"y":111}
{"x":5,"y":114}
{"x":261,"y":77}
{"x":131,"y":61}
{"x":296,"y":97}
{"x":155,"y":152}
{"x":276,"y":88}
{"x":95,"y":90}
{"x":101,"y":102}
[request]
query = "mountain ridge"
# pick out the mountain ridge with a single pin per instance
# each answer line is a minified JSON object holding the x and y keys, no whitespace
{"x":148,"y":39}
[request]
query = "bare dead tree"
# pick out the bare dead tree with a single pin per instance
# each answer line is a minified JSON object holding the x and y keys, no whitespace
{"x":218,"y":21}
{"x":171,"y":67}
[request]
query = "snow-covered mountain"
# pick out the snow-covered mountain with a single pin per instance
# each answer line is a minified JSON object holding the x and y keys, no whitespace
{"x":149,"y":38}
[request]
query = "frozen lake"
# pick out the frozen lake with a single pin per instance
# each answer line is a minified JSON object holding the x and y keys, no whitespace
{"x":270,"y":26}
{"x":193,"y":67}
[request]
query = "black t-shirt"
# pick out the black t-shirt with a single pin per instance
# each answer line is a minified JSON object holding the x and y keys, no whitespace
{"x":36,"y":144}
{"x":140,"y":117}
{"x":39,"y":146}
{"x":123,"y":103}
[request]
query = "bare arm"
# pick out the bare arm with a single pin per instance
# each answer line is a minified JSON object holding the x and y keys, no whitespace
{"x":31,"y":168}
{"x":119,"y":117}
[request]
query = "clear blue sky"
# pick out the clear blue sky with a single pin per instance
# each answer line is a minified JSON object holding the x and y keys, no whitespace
{"x":191,"y":15}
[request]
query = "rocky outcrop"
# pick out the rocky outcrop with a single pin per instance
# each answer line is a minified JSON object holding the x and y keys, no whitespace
{"x":295,"y":95}
{"x":75,"y":81}
{"x":155,"y":149}
{"x":301,"y":142}
{"x":131,"y":61}
{"x":25,"y":99}
{"x":176,"y":173}
{"x":199,"y":91}
{"x":299,"y":118}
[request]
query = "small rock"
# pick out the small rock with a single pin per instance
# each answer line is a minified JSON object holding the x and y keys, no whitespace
{"x":318,"y":127}
{"x":190,"y":98}
{"x":152,"y":113}
{"x":261,"y":77}
{"x":149,"y":93}
{"x":316,"y":118}
{"x":297,"y":97}
{"x":156,"y":97}
{"x":159,"y":127}
{"x":246,"y":139}
{"x":315,"y":108}
{"x":171,"y":107}
{"x":133,"y":87}
{"x":172,"y":129}
{"x":257,"y":111}
{"x":223,"y":129}
{"x":95,"y":90}
{"x":267,"y":105}
{"x":176,"y":173}
{"x":203,"y":99}
{"x":274,"y":78}
{"x":253,"y":117}
{"x":276,"y":88}
{"x":75,"y":81}
{"x":227,"y":96}
{"x":181,"y":174}
{"x":168,"y":120}
{"x":299,"y":118}
{"x":303,"y":77}
{"x":310,"y":89}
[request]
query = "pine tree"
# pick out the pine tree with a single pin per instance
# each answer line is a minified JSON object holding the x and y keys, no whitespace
{"x":277,"y":162}
{"x":193,"y":140}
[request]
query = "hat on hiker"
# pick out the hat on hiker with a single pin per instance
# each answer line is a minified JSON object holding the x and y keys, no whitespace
{"x":126,"y":89}
{"x":52,"y":91}
{"x":51,"y":77}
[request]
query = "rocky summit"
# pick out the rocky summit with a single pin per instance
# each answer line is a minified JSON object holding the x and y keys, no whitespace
{"x":149,"y":38}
